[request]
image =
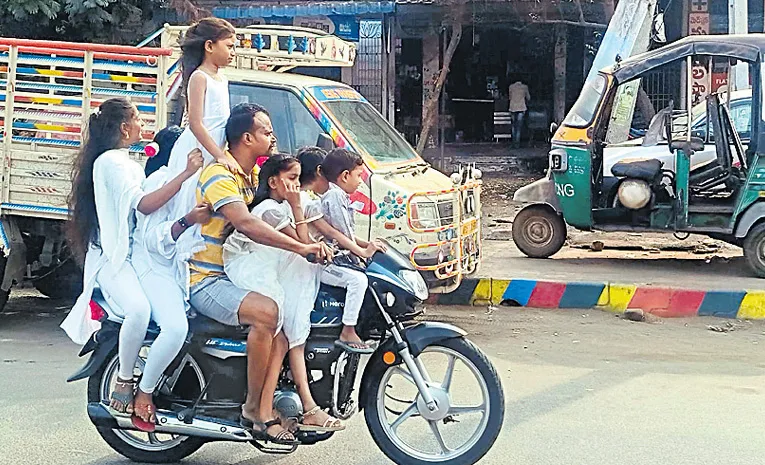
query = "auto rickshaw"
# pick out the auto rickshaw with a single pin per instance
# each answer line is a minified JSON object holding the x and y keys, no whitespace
{"x":723,"y":198}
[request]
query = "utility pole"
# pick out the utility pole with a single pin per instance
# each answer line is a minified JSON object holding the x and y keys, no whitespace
{"x":738,"y":14}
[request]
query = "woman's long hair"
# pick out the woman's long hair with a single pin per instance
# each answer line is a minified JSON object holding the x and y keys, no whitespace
{"x":193,"y":46}
{"x":274,"y":166}
{"x":103,"y":133}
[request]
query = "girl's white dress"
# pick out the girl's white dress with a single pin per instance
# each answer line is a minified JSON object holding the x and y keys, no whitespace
{"x":217,"y":109}
{"x":285,"y":277}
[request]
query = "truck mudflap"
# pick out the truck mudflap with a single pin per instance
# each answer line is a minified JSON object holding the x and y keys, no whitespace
{"x":457,"y":226}
{"x":14,"y":251}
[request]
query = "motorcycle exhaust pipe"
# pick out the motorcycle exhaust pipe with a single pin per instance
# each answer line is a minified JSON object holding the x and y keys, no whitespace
{"x":168,"y":422}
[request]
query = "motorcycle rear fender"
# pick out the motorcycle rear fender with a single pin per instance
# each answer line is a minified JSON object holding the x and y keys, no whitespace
{"x":418,"y":338}
{"x":105,"y":341}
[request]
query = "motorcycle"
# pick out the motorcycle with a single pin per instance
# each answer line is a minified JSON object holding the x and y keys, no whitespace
{"x":411,"y":377}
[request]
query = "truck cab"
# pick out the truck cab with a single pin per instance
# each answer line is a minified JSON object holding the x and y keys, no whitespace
{"x":48,"y":90}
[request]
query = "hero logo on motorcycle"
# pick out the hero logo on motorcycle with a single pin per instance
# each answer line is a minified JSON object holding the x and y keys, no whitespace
{"x":420,"y":371}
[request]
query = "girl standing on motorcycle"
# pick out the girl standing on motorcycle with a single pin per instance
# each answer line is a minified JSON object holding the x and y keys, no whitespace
{"x":285,"y":277}
{"x":106,"y":194}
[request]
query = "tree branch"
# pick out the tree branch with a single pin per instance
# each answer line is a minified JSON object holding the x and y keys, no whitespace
{"x":430,"y":108}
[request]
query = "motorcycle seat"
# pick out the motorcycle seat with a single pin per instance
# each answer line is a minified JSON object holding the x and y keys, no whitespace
{"x":205,"y":326}
{"x":646,"y":170}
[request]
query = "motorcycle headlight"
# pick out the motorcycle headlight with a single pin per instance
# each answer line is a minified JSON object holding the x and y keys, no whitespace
{"x":414,"y":279}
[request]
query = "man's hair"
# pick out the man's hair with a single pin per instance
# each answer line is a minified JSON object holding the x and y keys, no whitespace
{"x":241,"y":121}
{"x":339,"y":160}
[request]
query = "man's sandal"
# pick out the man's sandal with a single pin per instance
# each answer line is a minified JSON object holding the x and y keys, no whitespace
{"x":332,"y":424}
{"x":125,"y":398}
{"x":260,"y":431}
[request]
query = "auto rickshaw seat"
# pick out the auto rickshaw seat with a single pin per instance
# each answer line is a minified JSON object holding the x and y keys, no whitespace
{"x":646,"y":170}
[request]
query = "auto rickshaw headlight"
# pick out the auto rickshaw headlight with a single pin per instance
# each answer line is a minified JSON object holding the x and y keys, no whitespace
{"x":634,"y":193}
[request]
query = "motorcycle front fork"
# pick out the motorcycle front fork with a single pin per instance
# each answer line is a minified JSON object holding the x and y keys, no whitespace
{"x":416,"y":368}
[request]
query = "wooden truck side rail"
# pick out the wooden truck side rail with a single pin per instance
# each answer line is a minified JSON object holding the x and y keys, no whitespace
{"x":48,"y":90}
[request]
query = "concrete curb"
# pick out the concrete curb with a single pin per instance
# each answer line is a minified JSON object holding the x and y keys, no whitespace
{"x":661,"y":301}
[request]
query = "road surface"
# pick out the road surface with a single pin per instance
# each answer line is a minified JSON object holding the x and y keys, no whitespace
{"x":581,"y":388}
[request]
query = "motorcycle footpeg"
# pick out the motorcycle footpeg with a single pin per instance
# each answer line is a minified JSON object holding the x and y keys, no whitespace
{"x":270,"y":448}
{"x":308,"y":438}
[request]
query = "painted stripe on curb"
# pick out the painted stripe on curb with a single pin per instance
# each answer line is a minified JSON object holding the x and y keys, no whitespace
{"x":613,"y":297}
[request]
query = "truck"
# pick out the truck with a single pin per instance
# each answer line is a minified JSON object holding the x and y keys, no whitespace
{"x":48,"y":90}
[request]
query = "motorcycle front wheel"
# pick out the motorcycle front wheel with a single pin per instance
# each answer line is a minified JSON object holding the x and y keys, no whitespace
{"x":469,"y":414}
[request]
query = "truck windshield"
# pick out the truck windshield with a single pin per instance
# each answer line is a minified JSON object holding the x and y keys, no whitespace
{"x":586,"y":105}
{"x":370,"y":132}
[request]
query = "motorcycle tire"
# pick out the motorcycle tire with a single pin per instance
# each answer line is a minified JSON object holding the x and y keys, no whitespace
{"x":487,"y":439}
{"x":172,"y":455}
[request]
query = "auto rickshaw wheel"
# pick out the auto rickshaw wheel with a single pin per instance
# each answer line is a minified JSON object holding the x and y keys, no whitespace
{"x":539,"y":231}
{"x":754,"y":249}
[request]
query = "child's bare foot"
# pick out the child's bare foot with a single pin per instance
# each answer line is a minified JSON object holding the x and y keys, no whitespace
{"x":351,"y":342}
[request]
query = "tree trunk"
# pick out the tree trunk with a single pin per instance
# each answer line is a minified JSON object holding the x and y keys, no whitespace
{"x":429,"y":110}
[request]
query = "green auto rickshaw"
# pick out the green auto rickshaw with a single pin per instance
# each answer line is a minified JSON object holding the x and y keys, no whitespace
{"x":723,"y":198}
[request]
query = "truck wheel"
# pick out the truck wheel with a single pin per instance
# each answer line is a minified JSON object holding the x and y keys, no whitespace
{"x":754,"y":249}
{"x":63,"y":281}
{"x":538,"y":231}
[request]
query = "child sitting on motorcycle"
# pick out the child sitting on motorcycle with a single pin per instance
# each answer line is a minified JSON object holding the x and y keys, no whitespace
{"x":283,"y":276}
{"x":343,"y":169}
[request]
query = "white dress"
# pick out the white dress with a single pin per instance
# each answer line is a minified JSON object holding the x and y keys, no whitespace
{"x":285,"y":277}
{"x":118,"y":190}
{"x":217,"y":109}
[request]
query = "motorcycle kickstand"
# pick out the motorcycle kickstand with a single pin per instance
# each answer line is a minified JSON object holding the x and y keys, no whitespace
{"x":187,"y":415}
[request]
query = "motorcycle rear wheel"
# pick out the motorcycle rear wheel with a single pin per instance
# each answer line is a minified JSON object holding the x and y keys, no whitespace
{"x":492,"y":409}
{"x":129,"y":443}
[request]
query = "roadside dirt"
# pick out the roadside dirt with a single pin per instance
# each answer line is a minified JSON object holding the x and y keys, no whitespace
{"x":499,"y":210}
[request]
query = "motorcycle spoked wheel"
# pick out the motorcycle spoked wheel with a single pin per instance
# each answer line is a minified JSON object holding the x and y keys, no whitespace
{"x":135,"y":445}
{"x":437,"y":435}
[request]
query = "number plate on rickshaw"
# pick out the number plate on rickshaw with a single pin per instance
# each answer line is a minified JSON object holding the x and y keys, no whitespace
{"x":558,"y":160}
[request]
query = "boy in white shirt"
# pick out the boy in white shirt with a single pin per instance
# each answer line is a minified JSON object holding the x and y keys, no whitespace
{"x":344,"y":171}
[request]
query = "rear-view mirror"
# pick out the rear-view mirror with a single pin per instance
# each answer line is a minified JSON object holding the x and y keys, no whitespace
{"x":325,"y":142}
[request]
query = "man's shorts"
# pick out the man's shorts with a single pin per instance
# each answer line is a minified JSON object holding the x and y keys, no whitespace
{"x":219,"y":299}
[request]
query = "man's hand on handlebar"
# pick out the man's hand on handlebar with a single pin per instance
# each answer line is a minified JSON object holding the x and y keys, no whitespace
{"x":318,"y":252}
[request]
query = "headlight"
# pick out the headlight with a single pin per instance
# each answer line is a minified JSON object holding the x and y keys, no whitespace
{"x":424,"y":215}
{"x":414,"y":279}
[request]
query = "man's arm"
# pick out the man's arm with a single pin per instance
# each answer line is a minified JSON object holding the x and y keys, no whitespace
{"x":258,"y":230}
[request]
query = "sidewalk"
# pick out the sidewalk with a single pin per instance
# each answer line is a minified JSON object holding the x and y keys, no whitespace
{"x":657,"y":284}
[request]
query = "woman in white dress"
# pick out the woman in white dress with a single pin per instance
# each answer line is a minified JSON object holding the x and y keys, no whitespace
{"x":107,"y":192}
{"x":285,"y":277}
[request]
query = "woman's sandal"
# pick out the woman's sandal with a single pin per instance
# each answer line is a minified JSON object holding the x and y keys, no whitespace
{"x":331,"y":424}
{"x":125,"y":399}
{"x":144,"y":425}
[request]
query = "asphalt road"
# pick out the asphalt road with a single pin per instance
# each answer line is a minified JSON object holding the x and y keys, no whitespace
{"x":581,"y":388}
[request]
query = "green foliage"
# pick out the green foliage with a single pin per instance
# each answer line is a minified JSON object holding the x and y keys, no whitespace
{"x":108,"y":21}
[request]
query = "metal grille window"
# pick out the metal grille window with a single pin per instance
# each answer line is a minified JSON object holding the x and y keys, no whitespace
{"x":367,"y":72}
{"x":662,"y":86}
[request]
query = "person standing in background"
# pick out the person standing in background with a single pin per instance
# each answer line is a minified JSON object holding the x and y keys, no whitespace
{"x":519,"y":96}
